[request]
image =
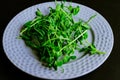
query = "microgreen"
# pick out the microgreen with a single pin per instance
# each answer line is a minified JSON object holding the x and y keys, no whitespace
{"x":55,"y":36}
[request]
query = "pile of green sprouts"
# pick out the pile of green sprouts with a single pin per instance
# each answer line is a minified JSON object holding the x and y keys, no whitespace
{"x":56,"y":36}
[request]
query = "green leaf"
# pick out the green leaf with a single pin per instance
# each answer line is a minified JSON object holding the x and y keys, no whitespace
{"x":27,"y":24}
{"x":66,"y":59}
{"x":73,"y":57}
{"x":59,"y":62}
{"x":85,"y":36}
{"x":38,"y":13}
{"x":76,"y":10}
{"x":83,"y":49}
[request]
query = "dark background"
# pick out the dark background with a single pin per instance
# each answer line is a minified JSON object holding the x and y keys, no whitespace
{"x":110,"y":9}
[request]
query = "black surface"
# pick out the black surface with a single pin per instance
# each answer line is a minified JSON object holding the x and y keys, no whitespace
{"x":110,"y":9}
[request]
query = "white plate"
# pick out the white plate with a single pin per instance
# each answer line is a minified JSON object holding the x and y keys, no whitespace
{"x":22,"y":57}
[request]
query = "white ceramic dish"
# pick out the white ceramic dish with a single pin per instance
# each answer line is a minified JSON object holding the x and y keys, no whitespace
{"x":22,"y":57}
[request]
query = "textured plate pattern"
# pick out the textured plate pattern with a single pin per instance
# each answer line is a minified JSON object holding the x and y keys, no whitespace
{"x":21,"y":56}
